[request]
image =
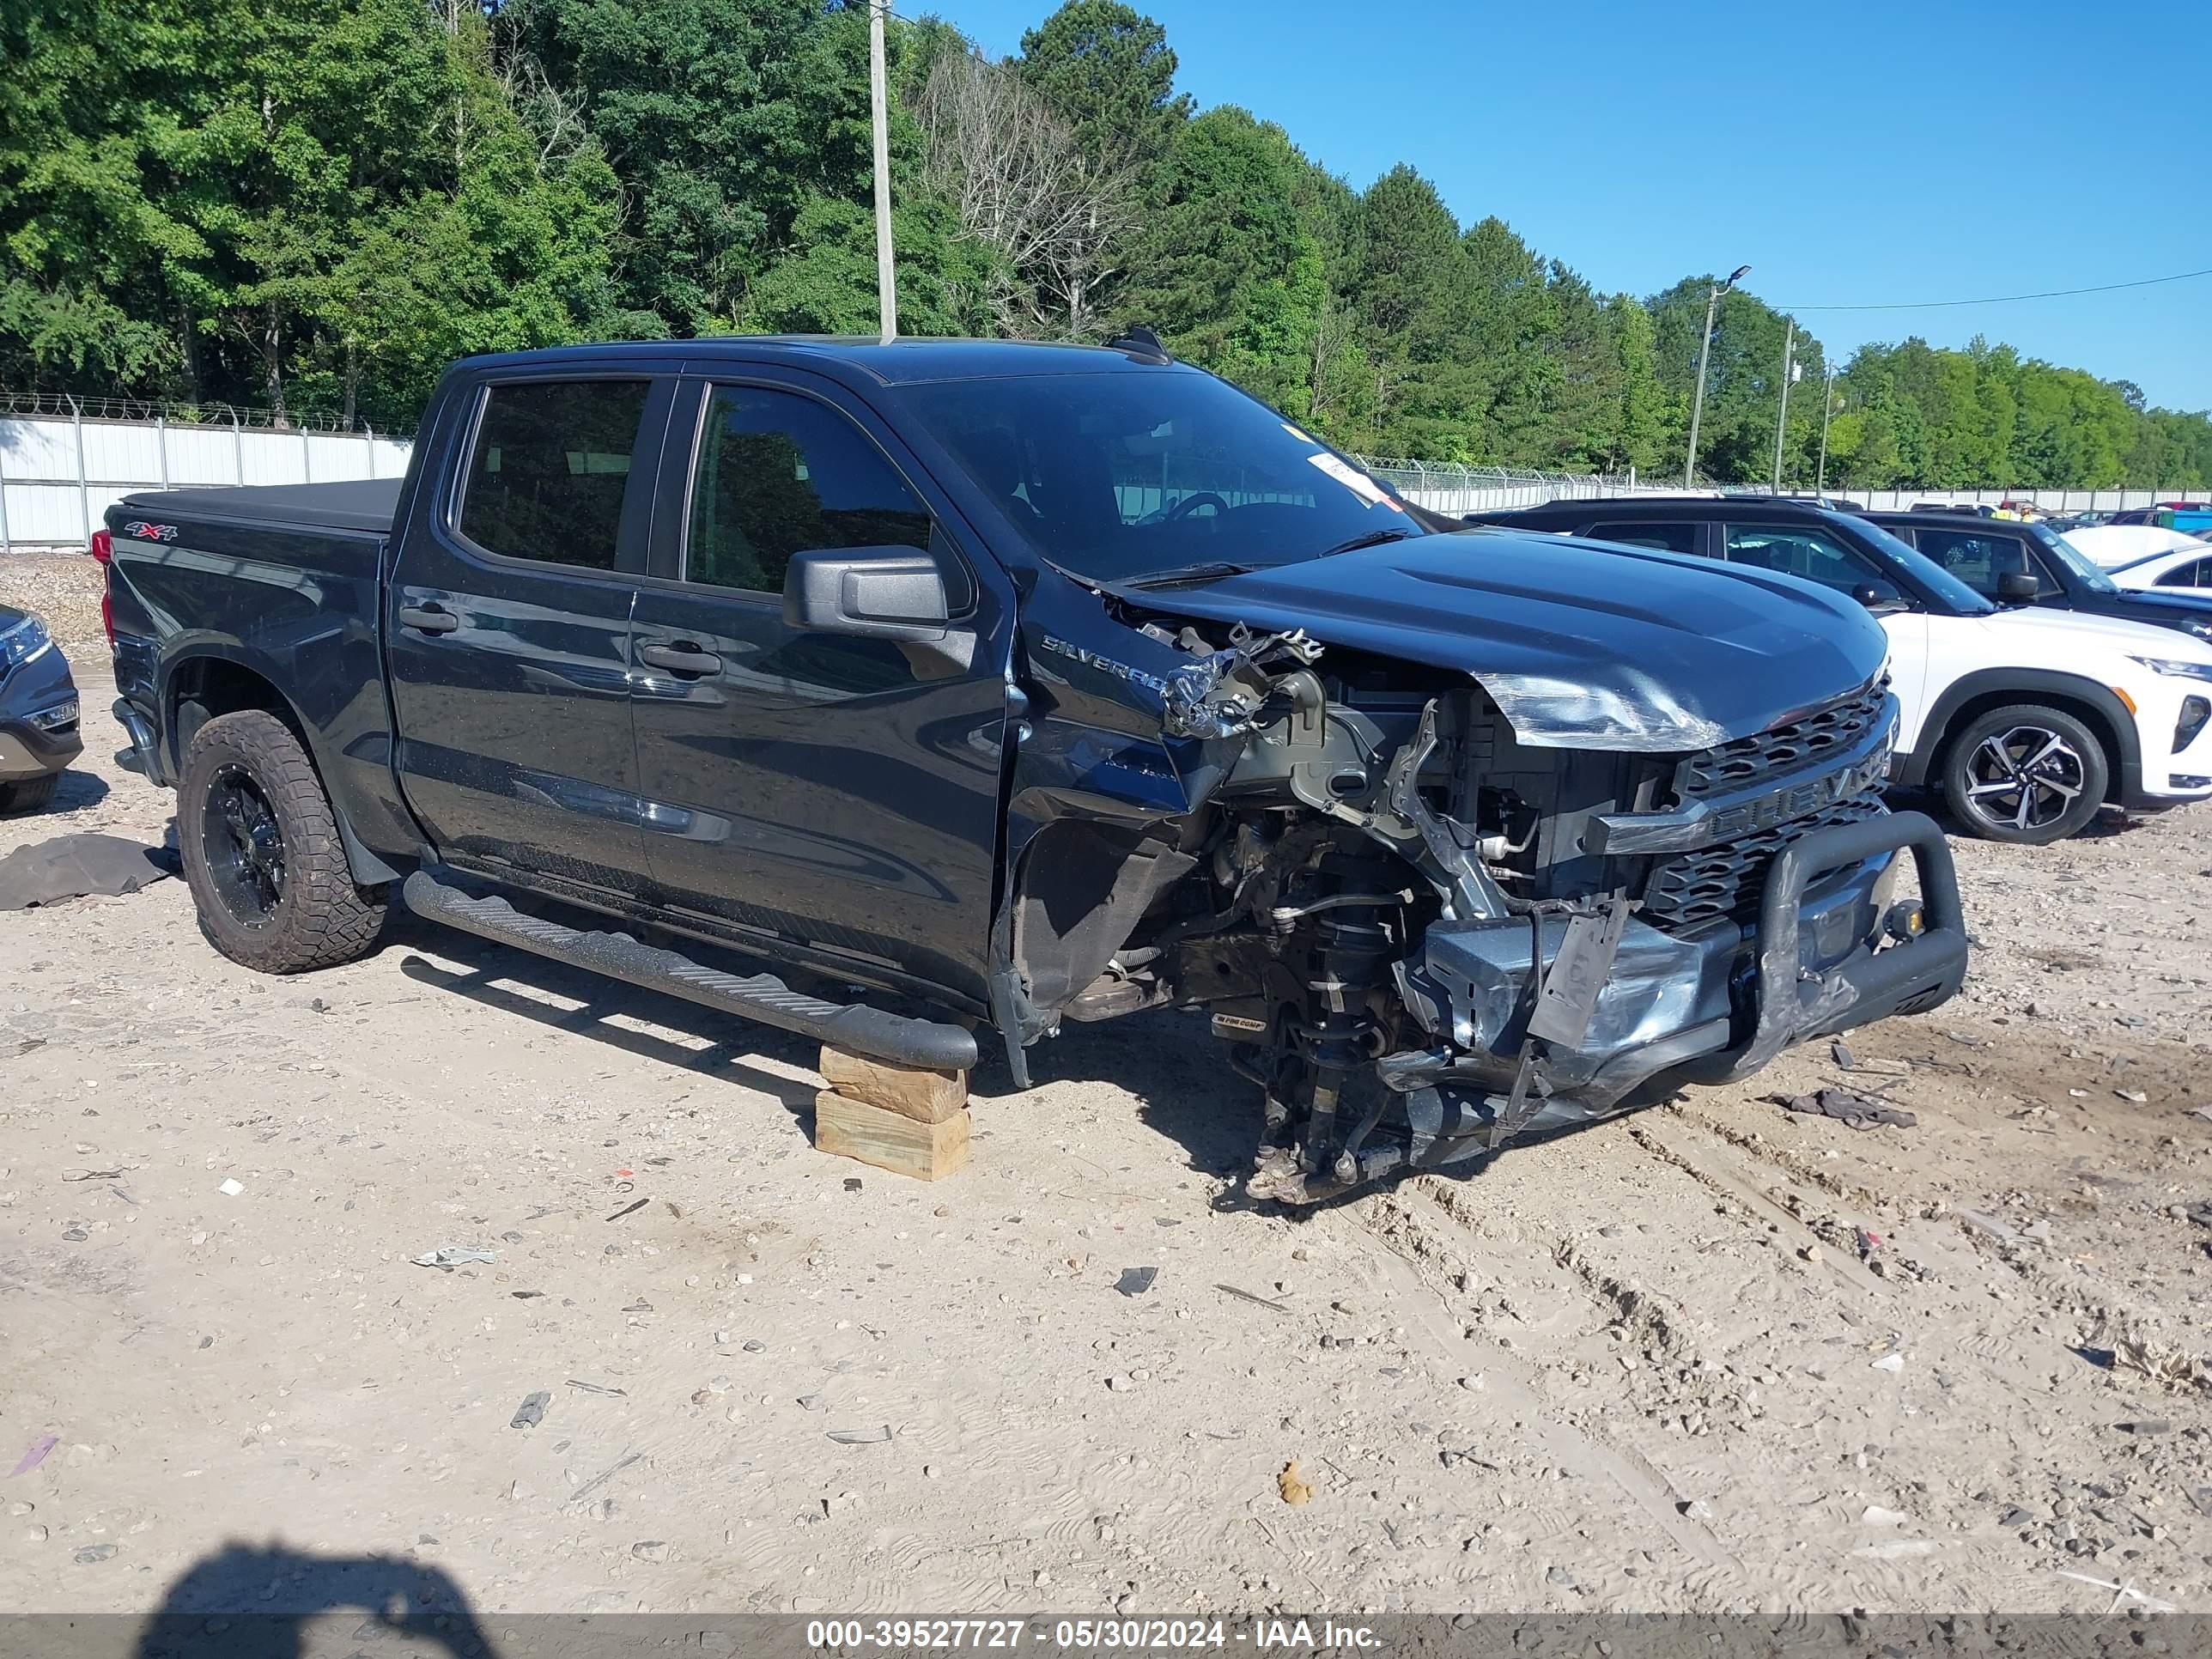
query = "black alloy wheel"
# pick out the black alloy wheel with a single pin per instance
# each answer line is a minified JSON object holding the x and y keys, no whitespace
{"x":244,"y":844}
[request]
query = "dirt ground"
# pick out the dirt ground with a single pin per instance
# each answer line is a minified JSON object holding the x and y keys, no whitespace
{"x":1714,"y":1356}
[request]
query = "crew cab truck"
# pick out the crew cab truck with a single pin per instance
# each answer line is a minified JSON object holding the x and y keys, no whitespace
{"x":984,"y":687}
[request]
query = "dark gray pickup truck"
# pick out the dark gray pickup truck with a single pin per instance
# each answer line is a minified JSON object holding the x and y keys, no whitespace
{"x":897,"y":692}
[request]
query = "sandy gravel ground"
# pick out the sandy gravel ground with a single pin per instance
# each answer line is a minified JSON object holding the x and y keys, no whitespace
{"x":1715,"y":1356}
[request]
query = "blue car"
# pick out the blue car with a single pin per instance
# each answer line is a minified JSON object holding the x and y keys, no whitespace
{"x":38,"y":734}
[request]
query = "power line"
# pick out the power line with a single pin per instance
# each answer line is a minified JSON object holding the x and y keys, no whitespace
{"x":2009,"y":299}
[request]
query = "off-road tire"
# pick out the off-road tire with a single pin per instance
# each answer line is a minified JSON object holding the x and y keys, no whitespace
{"x":320,"y":918}
{"x":28,"y":795}
{"x":1968,"y":765}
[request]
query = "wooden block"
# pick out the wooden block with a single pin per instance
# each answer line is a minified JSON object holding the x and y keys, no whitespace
{"x":891,"y":1140}
{"x":926,"y":1096}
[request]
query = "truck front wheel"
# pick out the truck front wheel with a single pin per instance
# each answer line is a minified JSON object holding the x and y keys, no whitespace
{"x":2025,"y":773}
{"x":261,"y":850}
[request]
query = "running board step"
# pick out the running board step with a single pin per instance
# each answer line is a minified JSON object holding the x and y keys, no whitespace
{"x":762,"y":997}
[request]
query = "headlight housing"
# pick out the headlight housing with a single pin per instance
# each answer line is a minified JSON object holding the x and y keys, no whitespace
{"x":26,"y":640}
{"x":2186,"y":670}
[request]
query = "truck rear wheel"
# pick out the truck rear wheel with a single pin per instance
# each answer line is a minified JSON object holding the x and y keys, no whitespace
{"x":261,"y":851}
{"x":2025,"y":773}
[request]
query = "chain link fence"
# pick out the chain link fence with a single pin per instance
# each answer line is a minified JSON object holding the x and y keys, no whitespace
{"x":1451,"y":487}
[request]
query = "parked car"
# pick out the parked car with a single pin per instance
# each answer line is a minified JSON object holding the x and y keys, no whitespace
{"x":2110,"y":546}
{"x":2183,"y":573}
{"x":2028,"y":720}
{"x":38,"y":734}
{"x":2031,"y":565}
{"x":1032,"y":683}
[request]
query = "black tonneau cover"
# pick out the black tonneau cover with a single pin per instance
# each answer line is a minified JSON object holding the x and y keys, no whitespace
{"x":361,"y":504}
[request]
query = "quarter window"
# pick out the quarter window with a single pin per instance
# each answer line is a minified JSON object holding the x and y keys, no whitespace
{"x":2193,"y":573}
{"x":777,"y":474}
{"x":1799,"y":552}
{"x":550,"y":469}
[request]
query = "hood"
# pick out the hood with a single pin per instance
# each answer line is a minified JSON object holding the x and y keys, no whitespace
{"x":2040,"y":630}
{"x":1581,"y":644}
{"x":2165,"y":607}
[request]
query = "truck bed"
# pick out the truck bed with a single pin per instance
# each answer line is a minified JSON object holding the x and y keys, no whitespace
{"x":364,"y":504}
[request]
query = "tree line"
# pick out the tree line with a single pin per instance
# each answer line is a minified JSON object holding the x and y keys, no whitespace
{"x":312,"y":205}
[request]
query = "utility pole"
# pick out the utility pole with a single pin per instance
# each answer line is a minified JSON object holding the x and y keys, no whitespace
{"x":1705,"y":351}
{"x":1828,"y":409}
{"x":1781,"y":419}
{"x":879,"y":99}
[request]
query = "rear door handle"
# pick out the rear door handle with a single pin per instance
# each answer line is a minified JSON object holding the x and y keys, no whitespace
{"x":428,"y":618}
{"x":680,"y":657}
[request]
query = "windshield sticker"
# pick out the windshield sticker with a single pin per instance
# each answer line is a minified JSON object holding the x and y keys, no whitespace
{"x":1351,"y":478}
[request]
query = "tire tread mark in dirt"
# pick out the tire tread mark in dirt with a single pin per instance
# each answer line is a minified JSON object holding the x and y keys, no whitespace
{"x":1714,"y":1165}
{"x":2011,"y":1360}
{"x":1642,"y":1485}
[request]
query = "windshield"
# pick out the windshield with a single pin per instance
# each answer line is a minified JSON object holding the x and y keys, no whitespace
{"x":2086,"y":570}
{"x":1954,"y":594}
{"x":1114,"y":477}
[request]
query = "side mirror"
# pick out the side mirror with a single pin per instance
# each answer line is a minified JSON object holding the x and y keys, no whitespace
{"x":881,"y":593}
{"x":1878,"y":596}
{"x":2017,"y":587}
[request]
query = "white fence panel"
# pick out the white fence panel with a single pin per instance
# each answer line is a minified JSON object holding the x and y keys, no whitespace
{"x":59,"y":475}
{"x":202,"y":455}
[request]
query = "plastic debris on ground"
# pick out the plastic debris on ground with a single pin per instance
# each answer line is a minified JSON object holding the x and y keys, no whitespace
{"x":450,"y":1256}
{"x":79,"y":866}
{"x":1846,"y":1107}
{"x":532,"y":1412}
{"x":1135,"y":1281}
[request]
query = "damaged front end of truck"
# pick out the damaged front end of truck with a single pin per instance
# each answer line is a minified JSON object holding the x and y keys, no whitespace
{"x":1433,"y":906}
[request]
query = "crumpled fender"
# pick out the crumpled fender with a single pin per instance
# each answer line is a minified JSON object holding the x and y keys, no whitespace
{"x":1119,"y":725}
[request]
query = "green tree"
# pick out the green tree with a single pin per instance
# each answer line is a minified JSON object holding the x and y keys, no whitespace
{"x":1650,"y":423}
{"x":1108,"y":70}
{"x":1226,"y":269}
{"x":722,"y":119}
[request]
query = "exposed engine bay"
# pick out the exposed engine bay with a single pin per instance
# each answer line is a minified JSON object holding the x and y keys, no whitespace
{"x":1424,"y":935}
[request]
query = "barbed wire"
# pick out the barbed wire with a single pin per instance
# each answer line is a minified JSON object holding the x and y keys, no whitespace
{"x":68,"y":406}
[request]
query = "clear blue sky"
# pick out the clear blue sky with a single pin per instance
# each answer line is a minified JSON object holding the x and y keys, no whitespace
{"x":1862,"y":153}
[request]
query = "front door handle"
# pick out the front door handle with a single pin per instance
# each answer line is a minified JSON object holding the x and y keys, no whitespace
{"x":428,"y":618}
{"x":680,"y":657}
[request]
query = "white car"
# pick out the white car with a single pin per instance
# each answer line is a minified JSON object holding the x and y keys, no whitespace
{"x":2116,"y":545}
{"x":2184,"y":569}
{"x":2028,"y":718}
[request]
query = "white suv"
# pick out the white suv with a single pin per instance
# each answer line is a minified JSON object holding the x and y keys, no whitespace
{"x":2027,"y":719}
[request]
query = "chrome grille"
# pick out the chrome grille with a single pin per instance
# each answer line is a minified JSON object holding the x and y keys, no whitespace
{"x":1730,"y":880}
{"x":1803,"y":742}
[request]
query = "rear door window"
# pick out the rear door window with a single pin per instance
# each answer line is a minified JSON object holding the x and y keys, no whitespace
{"x":1797,"y":552}
{"x":1668,"y":537}
{"x":1978,"y":558}
{"x":550,"y":468}
{"x":2193,"y":573}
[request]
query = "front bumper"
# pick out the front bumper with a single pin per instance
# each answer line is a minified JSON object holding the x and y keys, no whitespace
{"x":2166,"y":775}
{"x":1703,"y":1007}
{"x":29,"y":748}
